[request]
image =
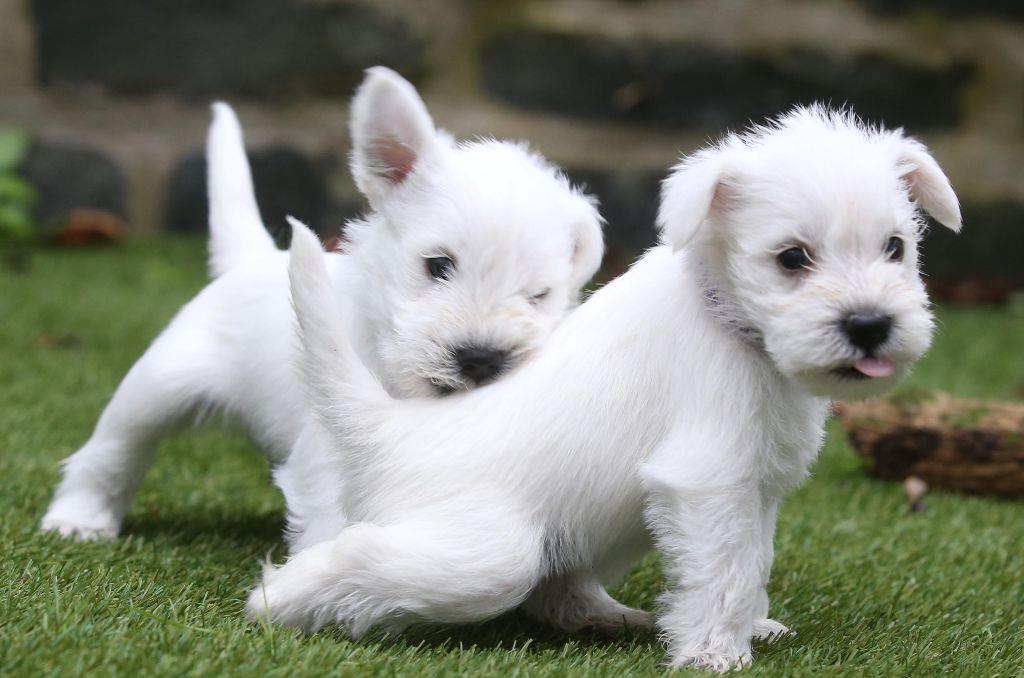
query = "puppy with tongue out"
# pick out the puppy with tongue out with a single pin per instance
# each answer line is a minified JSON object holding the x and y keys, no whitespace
{"x":680,"y":403}
{"x":809,"y":248}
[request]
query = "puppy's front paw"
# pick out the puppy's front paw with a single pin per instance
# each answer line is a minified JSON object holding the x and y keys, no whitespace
{"x":720,"y":657}
{"x":771,"y":630}
{"x":80,"y":519}
{"x":720,"y":662}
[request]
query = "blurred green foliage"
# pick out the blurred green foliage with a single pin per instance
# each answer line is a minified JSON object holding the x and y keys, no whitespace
{"x":17,"y":197}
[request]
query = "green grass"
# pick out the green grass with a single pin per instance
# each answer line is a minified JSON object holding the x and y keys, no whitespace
{"x":870,"y":588}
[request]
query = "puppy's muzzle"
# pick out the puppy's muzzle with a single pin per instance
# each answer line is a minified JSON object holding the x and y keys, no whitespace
{"x":867,"y":329}
{"x":479,"y":364}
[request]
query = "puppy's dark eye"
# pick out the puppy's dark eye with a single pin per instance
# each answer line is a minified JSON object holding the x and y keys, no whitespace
{"x":794,"y":259}
{"x":440,"y":268}
{"x":540,"y":296}
{"x":894,"y":249}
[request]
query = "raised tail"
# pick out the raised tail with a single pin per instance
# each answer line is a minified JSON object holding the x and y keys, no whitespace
{"x":237,"y":233}
{"x":341,"y":390}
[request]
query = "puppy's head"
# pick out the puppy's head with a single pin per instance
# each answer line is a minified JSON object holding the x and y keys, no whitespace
{"x":477,"y":249}
{"x":809,"y":232}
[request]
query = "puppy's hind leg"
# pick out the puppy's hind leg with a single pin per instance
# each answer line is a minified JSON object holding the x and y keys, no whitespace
{"x":576,"y":601}
{"x":313,"y":486}
{"x":100,"y":479}
{"x":392,"y":576}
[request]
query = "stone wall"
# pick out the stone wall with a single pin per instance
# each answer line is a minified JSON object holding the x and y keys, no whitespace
{"x":115,"y":93}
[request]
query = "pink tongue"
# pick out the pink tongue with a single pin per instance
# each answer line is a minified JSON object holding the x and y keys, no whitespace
{"x":875,"y":367}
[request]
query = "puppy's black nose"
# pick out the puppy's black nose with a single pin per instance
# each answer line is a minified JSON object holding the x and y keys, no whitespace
{"x":867,"y":330}
{"x":479,"y":364}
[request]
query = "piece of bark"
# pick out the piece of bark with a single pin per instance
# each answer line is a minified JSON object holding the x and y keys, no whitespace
{"x":85,"y":227}
{"x":958,"y":444}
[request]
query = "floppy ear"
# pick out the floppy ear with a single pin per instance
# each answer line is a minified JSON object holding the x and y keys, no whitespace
{"x":588,"y":246}
{"x":391,"y":133}
{"x":928,"y":184}
{"x":689,"y":195}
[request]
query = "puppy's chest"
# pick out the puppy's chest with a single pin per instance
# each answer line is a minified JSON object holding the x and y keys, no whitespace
{"x":793,"y":439}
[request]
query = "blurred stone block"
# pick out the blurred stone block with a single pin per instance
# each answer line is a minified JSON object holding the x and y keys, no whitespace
{"x":628,"y":202}
{"x":69,"y":176}
{"x":203,"y":48}
{"x":987,"y":252}
{"x":287,"y":182}
{"x":692,"y":86}
{"x":1004,"y":8}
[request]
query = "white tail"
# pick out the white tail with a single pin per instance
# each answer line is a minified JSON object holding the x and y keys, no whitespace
{"x":342,"y":391}
{"x":236,"y":229}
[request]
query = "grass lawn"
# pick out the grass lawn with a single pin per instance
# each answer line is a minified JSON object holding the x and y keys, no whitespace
{"x":870,"y":588}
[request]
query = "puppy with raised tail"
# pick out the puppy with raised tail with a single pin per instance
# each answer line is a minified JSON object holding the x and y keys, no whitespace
{"x":680,"y":404}
{"x":469,"y":257}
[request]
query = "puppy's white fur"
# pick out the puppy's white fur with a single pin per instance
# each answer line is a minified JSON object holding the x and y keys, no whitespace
{"x":680,"y":402}
{"x":522,"y":239}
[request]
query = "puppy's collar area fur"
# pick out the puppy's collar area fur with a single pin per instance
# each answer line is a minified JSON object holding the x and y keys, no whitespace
{"x":725,"y":314}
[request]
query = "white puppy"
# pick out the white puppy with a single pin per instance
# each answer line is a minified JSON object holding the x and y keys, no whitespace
{"x":680,"y":402}
{"x":469,"y":257}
